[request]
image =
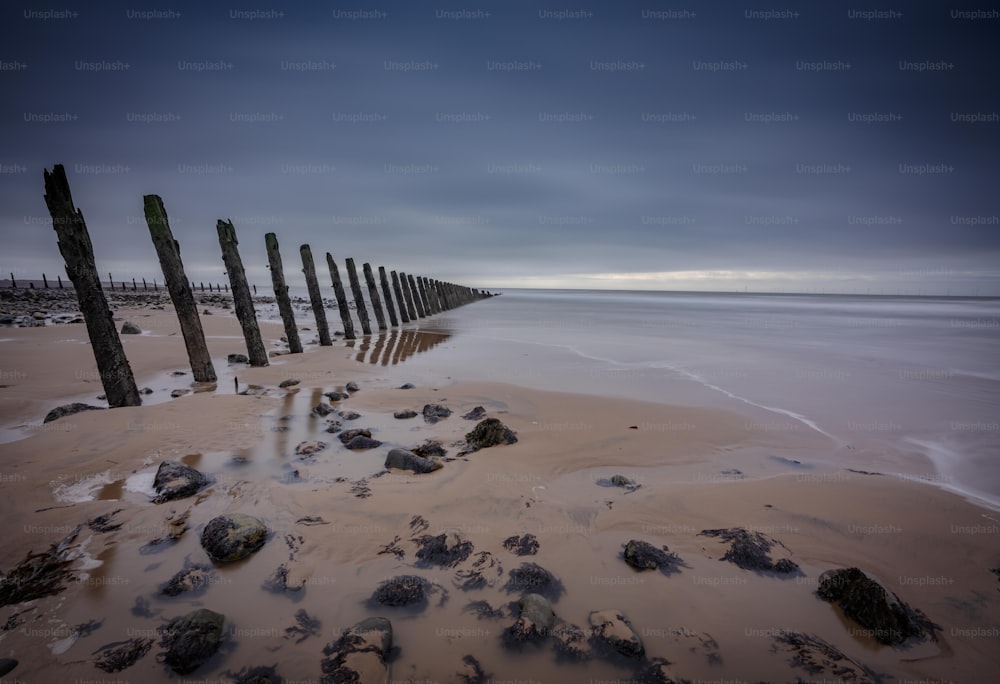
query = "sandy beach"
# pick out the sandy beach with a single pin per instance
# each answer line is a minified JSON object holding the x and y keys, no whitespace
{"x":340,"y":525}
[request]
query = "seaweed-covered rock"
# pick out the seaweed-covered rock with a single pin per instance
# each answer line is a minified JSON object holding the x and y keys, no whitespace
{"x":612,"y":631}
{"x":431,"y":448}
{"x":815,"y":656}
{"x":336,"y":396}
{"x":237,"y":358}
{"x":532,"y":577}
{"x":193,"y":579}
{"x":488,"y":433}
{"x":533,"y":624}
{"x":402,"y":590}
{"x":174,"y":480}
{"x":346,"y":436}
{"x":192,"y":639}
{"x":867,"y":601}
{"x":447,"y":549}
{"x":435,"y":412}
{"x":349,"y":415}
{"x":477,"y":413}
{"x":291,"y":382}
{"x":322,"y":410}
{"x":362,"y":442}
{"x":233,"y":536}
{"x":405,"y":414}
{"x":359,"y":655}
{"x":644,"y":556}
{"x":352,"y":387}
{"x":402,"y":459}
{"x":569,"y":641}
{"x":68,"y":410}
{"x":130,"y":328}
{"x":752,"y":551}
{"x":121,"y":654}
{"x":525,"y":545}
{"x":309,"y":448}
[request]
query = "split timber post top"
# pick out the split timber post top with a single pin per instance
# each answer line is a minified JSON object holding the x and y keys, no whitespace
{"x":169,"y":253}
{"x":78,"y":253}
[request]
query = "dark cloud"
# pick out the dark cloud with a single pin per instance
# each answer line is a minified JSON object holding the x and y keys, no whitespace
{"x":535,"y":145}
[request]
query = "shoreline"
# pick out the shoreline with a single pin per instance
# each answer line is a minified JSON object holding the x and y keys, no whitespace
{"x":930,"y":546}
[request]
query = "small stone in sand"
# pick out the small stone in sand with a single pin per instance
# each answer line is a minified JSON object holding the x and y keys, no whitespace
{"x":404,"y":414}
{"x":309,"y":448}
{"x":431,"y":448}
{"x":644,"y":556}
{"x":130,"y":328}
{"x":362,"y":442}
{"x":525,"y":545}
{"x":68,"y":410}
{"x":402,"y":590}
{"x":488,"y":433}
{"x":435,"y":412}
{"x":447,"y":549}
{"x":193,"y":579}
{"x":322,"y":410}
{"x":288,"y":383}
{"x":237,"y":358}
{"x":233,"y":536}
{"x":336,"y":396}
{"x":349,"y":415}
{"x":477,"y":413}
{"x":402,"y":459}
{"x":192,"y":639}
{"x":179,"y":393}
{"x":120,"y":655}
{"x":533,"y":624}
{"x":352,"y":387}
{"x":175,"y":480}
{"x":347,"y":435}
{"x":407,"y":385}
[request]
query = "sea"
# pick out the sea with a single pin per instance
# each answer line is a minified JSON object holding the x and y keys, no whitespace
{"x":914,"y":379}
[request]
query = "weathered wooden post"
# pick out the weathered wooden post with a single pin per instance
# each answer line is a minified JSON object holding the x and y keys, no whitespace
{"x":437,"y":295}
{"x":338,"y":291}
{"x":373,"y":295}
{"x":281,"y":294}
{"x":13,"y":283}
{"x":144,"y":284}
{"x":387,"y":291}
{"x":111,"y":281}
{"x":423,"y":295}
{"x":242,"y":300}
{"x":407,"y":295}
{"x":59,"y":278}
{"x":425,"y":288}
{"x":443,"y":294}
{"x":416,"y":297}
{"x":78,"y":253}
{"x":399,"y":298}
{"x":45,"y":281}
{"x":169,"y":253}
{"x":315,"y":298}
{"x":359,"y":299}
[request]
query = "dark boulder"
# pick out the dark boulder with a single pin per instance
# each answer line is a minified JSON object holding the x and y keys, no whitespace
{"x":174,"y":480}
{"x":192,"y":639}
{"x":477,"y":413}
{"x":362,"y":442}
{"x":130,"y":328}
{"x":405,"y":414}
{"x":347,"y":435}
{"x":68,"y":410}
{"x":431,"y":448}
{"x":237,"y":358}
{"x":435,"y":412}
{"x":867,"y":601}
{"x":288,"y":383}
{"x":402,"y":459}
{"x":488,"y":433}
{"x":644,"y":556}
{"x":352,"y":387}
{"x":233,"y":536}
{"x":349,"y":415}
{"x":402,"y":590}
{"x":534,"y":622}
{"x":322,"y":410}
{"x":525,"y":545}
{"x":533,"y":578}
{"x":447,"y":549}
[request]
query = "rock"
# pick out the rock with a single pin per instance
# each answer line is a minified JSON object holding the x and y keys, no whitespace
{"x":233,"y":536}
{"x":403,"y":415}
{"x":407,"y":385}
{"x":288,"y":383}
{"x":206,"y":312}
{"x":309,"y":448}
{"x":146,"y":390}
{"x":193,"y":579}
{"x":192,"y":639}
{"x":352,"y":387}
{"x":620,"y":481}
{"x":347,"y":435}
{"x":359,"y":655}
{"x":237,"y":358}
{"x":333,"y":426}
{"x":820,"y":658}
{"x":179,"y":393}
{"x":68,"y":410}
{"x":447,"y":549}
{"x":336,"y":396}
{"x":613,"y":631}
{"x":174,"y":480}
{"x":526,"y":545}
{"x":402,"y":590}
{"x":534,"y":578}
{"x":867,"y":601}
{"x":401,"y":459}
{"x":487,"y":433}
{"x":430,"y":449}
{"x":569,"y":641}
{"x":751,"y":551}
{"x":533,"y":624}
{"x":130,"y":328}
{"x":644,"y":556}
{"x":120,"y":655}
{"x":477,"y":413}
{"x":435,"y":412}
{"x":7,"y":665}
{"x":362,"y":442}
{"x":349,"y":415}
{"x":322,"y":410}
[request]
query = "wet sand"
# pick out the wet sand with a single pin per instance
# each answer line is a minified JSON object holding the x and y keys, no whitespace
{"x":698,"y":468}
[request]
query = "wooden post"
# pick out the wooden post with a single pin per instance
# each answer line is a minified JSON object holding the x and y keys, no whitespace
{"x":13,"y":283}
{"x":144,"y":284}
{"x":423,"y":295}
{"x":387,"y":293}
{"x":432,"y":292}
{"x":338,"y":291}
{"x":281,"y":294}
{"x":416,"y":297}
{"x":359,"y":299}
{"x":59,"y":278}
{"x":315,"y":298}
{"x":399,"y":298}
{"x":134,"y":288}
{"x":78,"y":253}
{"x":242,"y":300}
{"x":373,"y":296}
{"x":169,"y":253}
{"x":407,"y":295}
{"x":110,"y":280}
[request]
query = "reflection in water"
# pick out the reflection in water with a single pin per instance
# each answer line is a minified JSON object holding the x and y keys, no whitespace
{"x":397,"y":345}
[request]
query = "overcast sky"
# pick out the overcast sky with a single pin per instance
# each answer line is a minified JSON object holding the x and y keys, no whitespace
{"x":639,"y":145}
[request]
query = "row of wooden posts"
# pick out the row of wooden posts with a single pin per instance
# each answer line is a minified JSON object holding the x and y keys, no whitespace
{"x":415,"y":296}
